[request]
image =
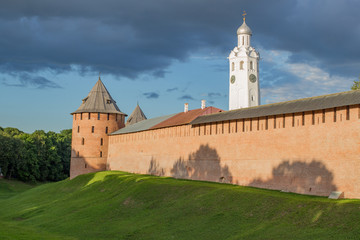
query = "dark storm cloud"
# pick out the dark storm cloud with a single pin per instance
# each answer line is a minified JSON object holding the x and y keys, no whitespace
{"x":186,"y":97}
{"x":128,"y":38}
{"x":26,"y":80}
{"x":150,"y":95}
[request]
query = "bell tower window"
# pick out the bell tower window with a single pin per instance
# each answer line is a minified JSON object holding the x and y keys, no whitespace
{"x":242,"y":65}
{"x":232,"y":66}
{"x":251,"y":65}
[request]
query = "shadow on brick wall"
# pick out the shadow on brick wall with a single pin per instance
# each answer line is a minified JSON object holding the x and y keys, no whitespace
{"x":204,"y":164}
{"x":155,"y":169}
{"x":299,"y":177}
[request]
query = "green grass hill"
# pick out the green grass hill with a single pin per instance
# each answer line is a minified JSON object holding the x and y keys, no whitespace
{"x":119,"y":205}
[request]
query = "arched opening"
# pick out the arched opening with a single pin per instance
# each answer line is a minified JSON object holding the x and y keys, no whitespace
{"x":92,"y":129}
{"x":242,"y":65}
{"x":232,"y":66}
{"x":100,"y":154}
{"x":101,"y":142}
{"x":251,"y":65}
{"x":82,"y":141}
{"x":106,"y":130}
{"x":243,"y":40}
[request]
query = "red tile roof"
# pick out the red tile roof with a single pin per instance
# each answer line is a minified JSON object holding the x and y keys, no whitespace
{"x":186,"y":117}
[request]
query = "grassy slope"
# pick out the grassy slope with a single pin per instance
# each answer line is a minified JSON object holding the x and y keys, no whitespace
{"x":118,"y":205}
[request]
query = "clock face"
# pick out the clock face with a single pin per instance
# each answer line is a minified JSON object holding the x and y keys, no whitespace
{"x":252,"y":78}
{"x":232,"y":79}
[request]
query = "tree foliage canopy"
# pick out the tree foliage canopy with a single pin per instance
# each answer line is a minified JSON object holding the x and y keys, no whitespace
{"x":356,"y":85}
{"x":40,"y":156}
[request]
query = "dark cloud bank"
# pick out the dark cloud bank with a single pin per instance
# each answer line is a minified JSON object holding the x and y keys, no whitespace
{"x":129,"y":38}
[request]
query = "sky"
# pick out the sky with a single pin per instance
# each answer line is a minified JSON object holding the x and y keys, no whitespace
{"x":164,"y":53}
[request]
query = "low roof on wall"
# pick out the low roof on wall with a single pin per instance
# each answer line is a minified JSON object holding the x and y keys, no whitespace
{"x":300,"y":105}
{"x":142,"y":125}
{"x":186,"y":117}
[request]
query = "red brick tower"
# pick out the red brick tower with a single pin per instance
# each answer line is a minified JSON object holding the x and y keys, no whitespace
{"x":97,"y":116}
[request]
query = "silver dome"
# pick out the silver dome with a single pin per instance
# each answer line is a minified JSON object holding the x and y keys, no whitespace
{"x":244,"y":29}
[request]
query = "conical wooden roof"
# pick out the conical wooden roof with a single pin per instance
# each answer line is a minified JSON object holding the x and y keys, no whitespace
{"x":136,"y":116}
{"x":99,"y":100}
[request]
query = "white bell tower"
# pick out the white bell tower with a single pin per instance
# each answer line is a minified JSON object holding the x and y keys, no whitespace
{"x":244,"y":88}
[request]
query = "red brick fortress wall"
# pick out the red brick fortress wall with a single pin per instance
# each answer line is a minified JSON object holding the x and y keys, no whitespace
{"x":307,"y":152}
{"x":90,"y":141}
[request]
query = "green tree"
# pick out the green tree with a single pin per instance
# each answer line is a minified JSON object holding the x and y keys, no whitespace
{"x":356,"y":85}
{"x":39,"y":156}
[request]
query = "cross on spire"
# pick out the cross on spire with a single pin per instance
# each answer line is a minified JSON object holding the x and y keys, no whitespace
{"x":244,"y":14}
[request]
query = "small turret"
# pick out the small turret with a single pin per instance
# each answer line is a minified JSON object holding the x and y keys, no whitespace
{"x":97,"y":116}
{"x":136,"y":116}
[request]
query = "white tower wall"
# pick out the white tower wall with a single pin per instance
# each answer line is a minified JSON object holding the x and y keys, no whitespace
{"x":244,"y":88}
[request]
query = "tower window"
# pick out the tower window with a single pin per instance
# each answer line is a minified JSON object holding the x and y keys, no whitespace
{"x":78,"y":129}
{"x":106,"y":130}
{"x":241,"y":65}
{"x":92,"y":129}
{"x":108,"y":116}
{"x":232,"y":66}
{"x":98,"y":116}
{"x":101,"y":142}
{"x":80,"y":116}
{"x":251,"y":65}
{"x":108,"y":101}
{"x":100,"y":153}
{"x":243,"y":40}
{"x":82,"y":141}
{"x":89,"y":115}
